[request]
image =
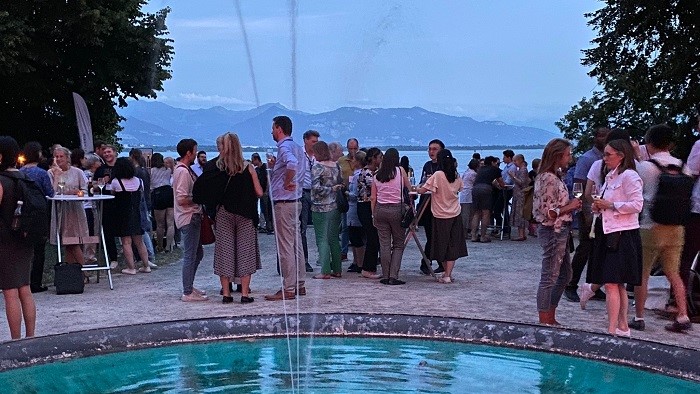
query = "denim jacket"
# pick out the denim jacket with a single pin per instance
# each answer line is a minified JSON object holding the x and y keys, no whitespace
{"x":625,"y":192}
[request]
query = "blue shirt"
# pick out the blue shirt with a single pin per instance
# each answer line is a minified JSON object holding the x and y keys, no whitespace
{"x":584,"y":163}
{"x":41,"y":177}
{"x":504,"y":174}
{"x":290,"y":156}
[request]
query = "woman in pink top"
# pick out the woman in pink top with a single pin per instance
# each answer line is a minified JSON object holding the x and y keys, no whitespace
{"x":617,"y":250}
{"x":386,"y":200}
{"x":448,"y":242}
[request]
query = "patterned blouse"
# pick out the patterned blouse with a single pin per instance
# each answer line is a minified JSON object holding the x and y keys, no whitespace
{"x":323,"y":178}
{"x":364,"y":184}
{"x":550,"y":193}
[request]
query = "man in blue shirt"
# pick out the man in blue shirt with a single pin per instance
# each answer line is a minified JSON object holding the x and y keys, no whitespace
{"x":286,"y":183}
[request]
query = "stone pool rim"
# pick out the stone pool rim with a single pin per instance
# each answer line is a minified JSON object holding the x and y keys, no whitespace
{"x":675,"y":361}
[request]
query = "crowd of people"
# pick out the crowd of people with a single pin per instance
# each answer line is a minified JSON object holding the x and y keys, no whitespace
{"x":360,"y":202}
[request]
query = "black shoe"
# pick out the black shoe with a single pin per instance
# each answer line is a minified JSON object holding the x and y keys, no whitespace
{"x":395,"y":282}
{"x":39,"y":289}
{"x":637,"y":324}
{"x":677,"y":326}
{"x":246,"y":300}
{"x":309,"y":268}
{"x":354,"y":268}
{"x":226,"y":300}
{"x":424,"y":269}
{"x":384,"y":281}
{"x":571,"y":294}
{"x":599,"y":295}
{"x":440,"y":269}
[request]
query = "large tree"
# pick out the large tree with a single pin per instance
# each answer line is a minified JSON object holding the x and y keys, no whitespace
{"x":104,"y":50}
{"x":646,"y":59}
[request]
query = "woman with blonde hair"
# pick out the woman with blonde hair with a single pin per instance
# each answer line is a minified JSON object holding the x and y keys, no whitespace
{"x":553,"y":211}
{"x":236,"y":251}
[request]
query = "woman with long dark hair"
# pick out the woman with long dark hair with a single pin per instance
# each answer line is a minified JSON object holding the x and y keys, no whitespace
{"x":386,"y":200}
{"x":553,"y":209}
{"x":448,"y":242}
{"x":617,"y":246}
{"x":16,"y":260}
{"x":127,"y":189}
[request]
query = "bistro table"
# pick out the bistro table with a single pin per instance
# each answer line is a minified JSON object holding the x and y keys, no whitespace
{"x":56,"y":202}
{"x":413,"y":228}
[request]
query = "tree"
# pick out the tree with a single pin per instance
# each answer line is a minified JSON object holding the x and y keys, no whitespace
{"x":646,"y":58}
{"x":104,"y":50}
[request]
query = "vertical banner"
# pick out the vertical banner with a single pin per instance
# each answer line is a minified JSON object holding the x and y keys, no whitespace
{"x":84,"y":127}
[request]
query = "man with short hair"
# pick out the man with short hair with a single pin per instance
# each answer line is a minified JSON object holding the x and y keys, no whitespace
{"x":346,"y":170}
{"x":310,"y":138}
{"x":336,"y":150}
{"x":659,"y":241}
{"x":109,"y":209}
{"x":429,"y":168}
{"x":285,"y":189}
{"x":585,"y":214}
{"x":188,"y":218}
{"x":198,"y":165}
{"x":501,"y":213}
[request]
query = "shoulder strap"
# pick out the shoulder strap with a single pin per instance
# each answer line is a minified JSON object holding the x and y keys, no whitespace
{"x":192,"y":174}
{"x":121,"y":184}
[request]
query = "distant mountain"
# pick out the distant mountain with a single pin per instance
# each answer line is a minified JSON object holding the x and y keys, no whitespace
{"x":153,"y":123}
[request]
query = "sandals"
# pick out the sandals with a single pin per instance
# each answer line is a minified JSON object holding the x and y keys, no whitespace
{"x":336,"y":274}
{"x":322,"y":276}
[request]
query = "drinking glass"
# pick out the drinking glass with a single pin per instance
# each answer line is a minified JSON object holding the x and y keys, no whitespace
{"x":61,"y":185}
{"x":101,"y":184}
{"x":595,"y":192}
{"x":578,"y":189}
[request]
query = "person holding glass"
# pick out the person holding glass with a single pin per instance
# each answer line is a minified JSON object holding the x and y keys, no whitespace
{"x":617,"y":250}
{"x":553,"y":210}
{"x":74,"y":232}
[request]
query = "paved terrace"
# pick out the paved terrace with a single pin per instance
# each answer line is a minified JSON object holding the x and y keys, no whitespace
{"x":498,"y":281}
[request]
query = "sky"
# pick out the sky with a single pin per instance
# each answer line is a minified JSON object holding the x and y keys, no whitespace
{"x":509,"y":60}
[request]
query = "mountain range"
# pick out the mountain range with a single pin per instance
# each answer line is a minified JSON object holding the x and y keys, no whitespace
{"x":151,"y":123}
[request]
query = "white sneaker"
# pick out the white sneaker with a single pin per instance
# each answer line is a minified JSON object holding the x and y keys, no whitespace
{"x":200,"y":292}
{"x":445,"y":279}
{"x":145,"y":270}
{"x":586,"y":294}
{"x":193,"y":297}
{"x":113,"y":265}
{"x":152,"y":264}
{"x":129,"y":271}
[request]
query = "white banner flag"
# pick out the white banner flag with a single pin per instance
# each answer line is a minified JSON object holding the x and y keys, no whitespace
{"x":84,"y":126}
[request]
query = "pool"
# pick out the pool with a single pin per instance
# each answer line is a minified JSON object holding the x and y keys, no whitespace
{"x":343,"y":353}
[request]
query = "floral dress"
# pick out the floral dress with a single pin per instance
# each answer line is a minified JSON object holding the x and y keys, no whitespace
{"x":550,"y":193}
{"x":520,"y":181}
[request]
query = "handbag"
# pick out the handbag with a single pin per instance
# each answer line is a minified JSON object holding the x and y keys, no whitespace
{"x":407,"y":211}
{"x":68,"y":278}
{"x":206,"y":230}
{"x":341,"y":199}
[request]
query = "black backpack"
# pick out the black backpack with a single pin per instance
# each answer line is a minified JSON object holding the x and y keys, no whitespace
{"x":35,"y":220}
{"x":672,"y":202}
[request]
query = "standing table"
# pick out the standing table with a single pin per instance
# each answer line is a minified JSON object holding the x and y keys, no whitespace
{"x":413,"y":228}
{"x":56,"y":202}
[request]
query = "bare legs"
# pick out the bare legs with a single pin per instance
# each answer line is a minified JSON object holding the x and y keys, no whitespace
{"x":74,"y":254}
{"x":448,"y":265}
{"x":617,"y":303}
{"x":19,"y":304}
{"x":129,"y":253}
{"x":226,"y":285}
{"x":165,"y":225}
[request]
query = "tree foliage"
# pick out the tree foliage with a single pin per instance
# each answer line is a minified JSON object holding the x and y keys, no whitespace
{"x":104,"y":50}
{"x":646,"y":58}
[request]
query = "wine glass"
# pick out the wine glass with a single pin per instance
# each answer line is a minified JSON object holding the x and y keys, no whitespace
{"x":101,"y":184}
{"x":595,"y":192}
{"x":269,"y":155}
{"x":61,"y":184}
{"x":578,"y":189}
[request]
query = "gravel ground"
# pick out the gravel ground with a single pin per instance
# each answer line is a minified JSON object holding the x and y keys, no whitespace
{"x":498,"y":281}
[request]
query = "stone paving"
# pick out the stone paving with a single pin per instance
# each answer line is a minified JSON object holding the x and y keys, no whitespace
{"x":498,"y":281}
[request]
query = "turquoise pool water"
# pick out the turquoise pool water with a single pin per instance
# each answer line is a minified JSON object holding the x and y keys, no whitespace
{"x":336,"y":365}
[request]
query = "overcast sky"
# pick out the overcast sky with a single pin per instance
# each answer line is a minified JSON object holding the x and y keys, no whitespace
{"x":511,"y":60}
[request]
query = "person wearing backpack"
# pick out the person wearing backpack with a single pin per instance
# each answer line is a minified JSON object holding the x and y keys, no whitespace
{"x":33,"y":154}
{"x":661,"y":224}
{"x":16,"y":263}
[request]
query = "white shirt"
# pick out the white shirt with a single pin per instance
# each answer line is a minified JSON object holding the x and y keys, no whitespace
{"x":465,"y":195}
{"x":650,"y":173}
{"x":197,"y":168}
